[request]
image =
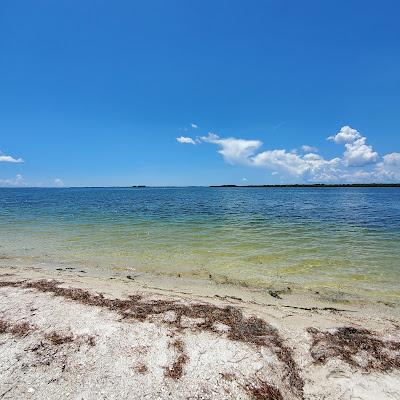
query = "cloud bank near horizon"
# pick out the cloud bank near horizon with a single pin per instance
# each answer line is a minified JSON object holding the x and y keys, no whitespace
{"x":19,"y":182}
{"x":358,"y":163}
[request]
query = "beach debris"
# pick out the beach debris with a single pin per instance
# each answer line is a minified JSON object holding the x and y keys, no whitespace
{"x":228,"y":297}
{"x":261,"y":390}
{"x":175,"y":371}
{"x":17,"y":329}
{"x":228,"y":376}
{"x":58,"y":338}
{"x":11,"y":283}
{"x":141,"y":368}
{"x":359,"y":348}
{"x":178,"y":344}
{"x":23,"y":329}
{"x":275,"y":294}
{"x":251,"y":330}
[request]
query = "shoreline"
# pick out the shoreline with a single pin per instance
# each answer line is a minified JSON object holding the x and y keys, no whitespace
{"x":207,"y":285}
{"x":255,"y":346}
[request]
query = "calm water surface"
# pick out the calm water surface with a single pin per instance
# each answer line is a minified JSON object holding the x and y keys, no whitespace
{"x":343,"y":239}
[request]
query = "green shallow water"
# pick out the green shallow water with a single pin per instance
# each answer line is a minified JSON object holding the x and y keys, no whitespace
{"x":335,"y":239}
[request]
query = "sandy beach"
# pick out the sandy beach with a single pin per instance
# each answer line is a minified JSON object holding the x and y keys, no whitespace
{"x":69,"y":334}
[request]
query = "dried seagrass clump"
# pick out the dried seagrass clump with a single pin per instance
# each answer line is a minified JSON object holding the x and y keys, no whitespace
{"x":261,"y":390}
{"x":175,"y":371}
{"x":17,"y":329}
{"x":357,"y":347}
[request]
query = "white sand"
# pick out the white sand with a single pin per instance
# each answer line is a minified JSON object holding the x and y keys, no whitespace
{"x":108,"y":357}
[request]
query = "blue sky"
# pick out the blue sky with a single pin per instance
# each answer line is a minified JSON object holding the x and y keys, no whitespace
{"x":97,"y":92}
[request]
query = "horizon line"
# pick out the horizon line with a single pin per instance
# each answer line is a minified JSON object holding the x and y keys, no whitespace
{"x":311,"y":185}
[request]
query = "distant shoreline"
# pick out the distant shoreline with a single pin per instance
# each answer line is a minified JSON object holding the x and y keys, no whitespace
{"x":299,"y":185}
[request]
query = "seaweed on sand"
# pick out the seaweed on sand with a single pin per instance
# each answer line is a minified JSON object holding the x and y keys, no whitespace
{"x":58,"y":338}
{"x":359,"y":348}
{"x":263,"y":391}
{"x":175,"y":371}
{"x":178,"y":345}
{"x":141,"y":368}
{"x":17,"y":329}
{"x":250,"y":330}
{"x":10,"y":283}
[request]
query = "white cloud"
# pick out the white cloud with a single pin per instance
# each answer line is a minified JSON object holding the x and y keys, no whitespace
{"x":9,"y":159}
{"x":392,"y":159}
{"x":18,"y":181}
{"x":58,"y":182}
{"x":281,"y":159}
{"x":194,"y":126}
{"x":358,"y":153}
{"x":359,"y":162}
{"x":185,"y":139}
{"x":389,"y":168}
{"x":234,"y":151}
{"x":345,"y":135}
{"x":309,"y":149}
{"x":309,"y":167}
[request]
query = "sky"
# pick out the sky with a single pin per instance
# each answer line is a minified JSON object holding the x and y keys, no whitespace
{"x":100,"y":93}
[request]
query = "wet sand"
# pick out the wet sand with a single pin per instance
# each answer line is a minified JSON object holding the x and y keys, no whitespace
{"x":69,"y":333}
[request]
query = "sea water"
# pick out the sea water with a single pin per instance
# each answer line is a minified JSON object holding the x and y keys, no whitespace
{"x":338,"y":239}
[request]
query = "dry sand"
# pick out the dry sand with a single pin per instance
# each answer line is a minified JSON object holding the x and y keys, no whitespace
{"x":68,"y":335}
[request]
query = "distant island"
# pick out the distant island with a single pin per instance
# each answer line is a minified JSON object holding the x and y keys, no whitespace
{"x":314,"y":185}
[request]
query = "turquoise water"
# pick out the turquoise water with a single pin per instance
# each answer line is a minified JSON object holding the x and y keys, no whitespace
{"x":341,"y":239}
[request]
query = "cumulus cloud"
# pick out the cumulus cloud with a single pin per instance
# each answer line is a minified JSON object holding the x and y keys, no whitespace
{"x":311,"y":166}
{"x":18,"y":181}
{"x":9,"y":159}
{"x":358,"y":163}
{"x":358,"y":153}
{"x":309,"y":149}
{"x":345,"y":135}
{"x":392,"y":159}
{"x":389,"y":168}
{"x":185,"y":139}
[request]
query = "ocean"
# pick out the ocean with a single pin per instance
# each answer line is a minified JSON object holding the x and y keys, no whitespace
{"x":338,"y":240}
